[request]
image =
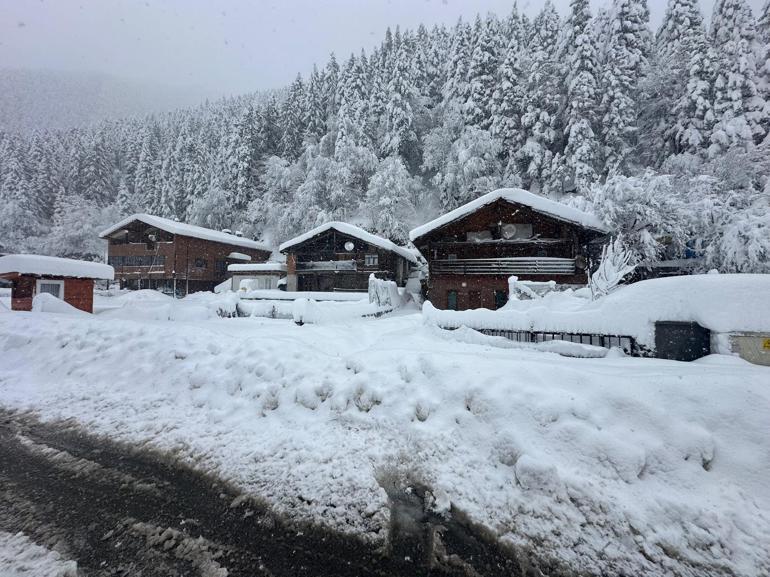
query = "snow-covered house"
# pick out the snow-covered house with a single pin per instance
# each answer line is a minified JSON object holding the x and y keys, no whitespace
{"x":474,"y":249}
{"x":338,"y":256}
{"x":258,"y":276}
{"x":152,"y":252}
{"x":64,"y":278}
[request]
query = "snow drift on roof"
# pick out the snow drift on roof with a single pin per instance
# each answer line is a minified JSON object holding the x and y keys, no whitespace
{"x":183,"y":229}
{"x":534,"y":201}
{"x":54,"y":266}
{"x":258,"y":267}
{"x":238,"y":256}
{"x":353,"y":231}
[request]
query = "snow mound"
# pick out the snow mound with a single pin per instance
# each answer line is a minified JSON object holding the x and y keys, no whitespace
{"x":21,"y":557}
{"x":721,"y":303}
{"x":47,"y":303}
{"x":612,"y":465}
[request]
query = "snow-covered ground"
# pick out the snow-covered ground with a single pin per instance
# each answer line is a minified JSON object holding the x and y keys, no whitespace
{"x":610,"y":464}
{"x":21,"y":557}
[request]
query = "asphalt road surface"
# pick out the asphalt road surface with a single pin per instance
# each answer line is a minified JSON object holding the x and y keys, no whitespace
{"x":122,"y":511}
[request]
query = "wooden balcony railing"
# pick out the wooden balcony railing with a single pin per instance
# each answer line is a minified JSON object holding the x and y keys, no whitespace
{"x":326,"y":265}
{"x":505,"y":266}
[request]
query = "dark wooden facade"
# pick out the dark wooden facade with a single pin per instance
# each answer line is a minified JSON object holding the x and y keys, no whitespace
{"x":171,"y":262}
{"x":467,"y":272}
{"x":78,"y":292}
{"x":324,"y":263}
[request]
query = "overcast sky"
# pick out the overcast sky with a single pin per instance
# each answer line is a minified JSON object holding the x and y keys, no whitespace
{"x":223,"y":47}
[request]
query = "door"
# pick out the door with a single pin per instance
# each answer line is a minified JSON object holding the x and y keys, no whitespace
{"x":501,"y":297}
{"x":451,"y":300}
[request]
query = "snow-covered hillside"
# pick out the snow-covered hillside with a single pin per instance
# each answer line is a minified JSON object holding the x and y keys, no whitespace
{"x":608,"y":465}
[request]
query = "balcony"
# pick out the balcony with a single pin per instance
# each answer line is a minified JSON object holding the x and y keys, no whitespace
{"x":505,"y":266}
{"x":327,"y":266}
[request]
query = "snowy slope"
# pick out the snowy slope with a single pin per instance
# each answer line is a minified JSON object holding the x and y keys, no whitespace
{"x":609,"y":465}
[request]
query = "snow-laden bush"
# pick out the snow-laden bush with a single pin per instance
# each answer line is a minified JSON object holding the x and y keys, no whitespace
{"x":383,"y":293}
{"x":615,"y":265}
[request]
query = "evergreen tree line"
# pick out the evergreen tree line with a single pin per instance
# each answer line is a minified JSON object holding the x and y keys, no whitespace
{"x":663,"y":135}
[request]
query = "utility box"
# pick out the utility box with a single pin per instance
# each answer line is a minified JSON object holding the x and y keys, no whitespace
{"x":681,"y":341}
{"x":752,"y":347}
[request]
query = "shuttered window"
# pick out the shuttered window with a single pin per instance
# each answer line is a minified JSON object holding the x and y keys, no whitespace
{"x":51,"y":287}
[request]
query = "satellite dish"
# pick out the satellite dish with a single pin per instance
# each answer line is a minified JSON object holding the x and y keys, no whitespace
{"x":349,"y":246}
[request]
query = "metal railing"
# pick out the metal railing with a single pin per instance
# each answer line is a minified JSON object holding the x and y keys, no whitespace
{"x":326,"y":265}
{"x":505,"y":266}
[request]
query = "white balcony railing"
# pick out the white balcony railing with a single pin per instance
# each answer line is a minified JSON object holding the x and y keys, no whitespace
{"x":505,"y":266}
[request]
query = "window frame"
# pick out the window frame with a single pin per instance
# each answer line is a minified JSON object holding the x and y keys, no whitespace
{"x":371,"y":259}
{"x":58,"y":282}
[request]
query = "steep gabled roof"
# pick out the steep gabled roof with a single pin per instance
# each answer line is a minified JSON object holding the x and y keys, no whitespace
{"x":35,"y":264}
{"x":514,"y":195}
{"x":355,"y":232}
{"x":183,"y":229}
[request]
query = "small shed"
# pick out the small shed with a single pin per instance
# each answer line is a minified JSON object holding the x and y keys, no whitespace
{"x":64,"y":278}
{"x":262,"y":275}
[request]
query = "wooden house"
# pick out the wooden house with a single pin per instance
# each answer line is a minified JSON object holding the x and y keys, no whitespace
{"x":152,"y":252}
{"x":338,"y":256}
{"x":474,"y":249}
{"x":69,"y":280}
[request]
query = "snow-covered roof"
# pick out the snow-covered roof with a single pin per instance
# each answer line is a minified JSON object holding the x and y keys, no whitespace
{"x":183,"y":229}
{"x":353,"y":231}
{"x":517,"y":195}
{"x":238,"y":256}
{"x":54,"y":266}
{"x":258,"y":267}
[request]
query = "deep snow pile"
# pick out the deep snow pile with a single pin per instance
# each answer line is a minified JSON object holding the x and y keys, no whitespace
{"x":608,"y":465}
{"x":720,"y":302}
{"x":21,"y":557}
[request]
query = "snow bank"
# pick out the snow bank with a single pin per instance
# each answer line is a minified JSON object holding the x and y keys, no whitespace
{"x":54,"y":266}
{"x":151,"y":305}
{"x":355,"y":232}
{"x":313,"y":295}
{"x":21,"y":557}
{"x":613,"y":465}
{"x":515,"y":195}
{"x":183,"y":229}
{"x":47,"y":303}
{"x":721,"y":303}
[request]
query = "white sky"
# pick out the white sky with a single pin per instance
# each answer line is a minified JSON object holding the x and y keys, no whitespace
{"x":223,"y":47}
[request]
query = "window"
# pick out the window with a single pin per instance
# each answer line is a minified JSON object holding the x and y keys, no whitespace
{"x":220,"y":266}
{"x":51,"y":287}
{"x":451,"y":300}
{"x":371,"y":260}
{"x":451,"y":257}
{"x":501,"y":297}
{"x":200,"y":263}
